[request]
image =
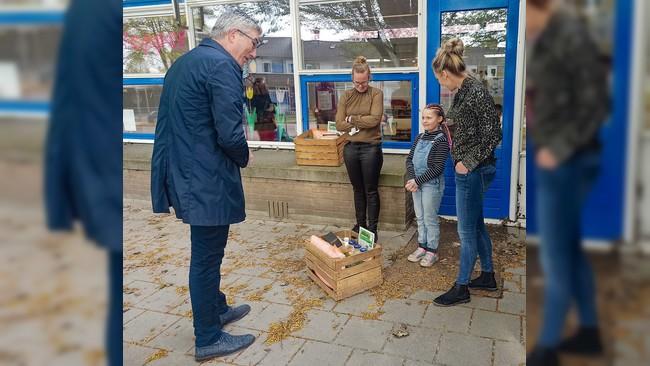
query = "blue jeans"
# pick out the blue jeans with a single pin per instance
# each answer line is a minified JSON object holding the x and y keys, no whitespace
{"x":568,"y":276}
{"x":208,"y":302}
{"x":426,"y":202}
{"x":473,"y":234}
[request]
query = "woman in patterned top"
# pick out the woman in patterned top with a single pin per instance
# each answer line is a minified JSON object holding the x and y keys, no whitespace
{"x":567,"y":102}
{"x":424,"y":167}
{"x":477,"y":133}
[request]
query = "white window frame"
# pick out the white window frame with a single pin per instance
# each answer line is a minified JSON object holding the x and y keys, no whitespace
{"x":388,"y":70}
{"x":264,"y":67}
{"x":153,"y":11}
{"x":189,"y":4}
{"x":489,"y":69}
{"x":297,"y":57}
{"x":421,"y":69}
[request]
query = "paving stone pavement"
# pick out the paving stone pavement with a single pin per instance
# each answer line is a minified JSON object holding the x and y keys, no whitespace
{"x":157,"y":311}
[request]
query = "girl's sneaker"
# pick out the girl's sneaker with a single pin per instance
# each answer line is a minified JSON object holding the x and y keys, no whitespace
{"x":417,"y":255}
{"x":429,"y":259}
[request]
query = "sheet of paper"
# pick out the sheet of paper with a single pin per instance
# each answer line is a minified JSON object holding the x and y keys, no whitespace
{"x":324,"y":100}
{"x":10,"y":85}
{"x":128,"y":119}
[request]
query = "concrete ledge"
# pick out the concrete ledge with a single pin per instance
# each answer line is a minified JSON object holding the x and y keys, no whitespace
{"x":281,"y":164}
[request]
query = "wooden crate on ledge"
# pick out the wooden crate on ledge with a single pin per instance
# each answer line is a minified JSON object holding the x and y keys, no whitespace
{"x":319,"y":152}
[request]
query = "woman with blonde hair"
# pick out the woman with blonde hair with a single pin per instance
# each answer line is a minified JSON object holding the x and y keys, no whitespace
{"x":359,"y":113}
{"x":477,"y":133}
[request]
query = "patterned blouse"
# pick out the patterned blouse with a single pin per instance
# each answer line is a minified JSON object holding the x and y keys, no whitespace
{"x":567,"y":96}
{"x":476,"y":125}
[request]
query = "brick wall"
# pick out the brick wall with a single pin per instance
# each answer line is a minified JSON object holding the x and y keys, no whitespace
{"x":308,"y":201}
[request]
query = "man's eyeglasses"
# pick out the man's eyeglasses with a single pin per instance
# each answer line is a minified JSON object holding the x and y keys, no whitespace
{"x":360,"y":83}
{"x":257,"y":42}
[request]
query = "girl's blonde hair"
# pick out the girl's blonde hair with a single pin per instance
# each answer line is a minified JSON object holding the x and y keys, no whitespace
{"x":360,"y":66}
{"x":450,"y":57}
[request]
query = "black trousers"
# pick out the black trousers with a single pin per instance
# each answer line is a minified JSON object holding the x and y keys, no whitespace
{"x":208,"y":302}
{"x":364,"y":162}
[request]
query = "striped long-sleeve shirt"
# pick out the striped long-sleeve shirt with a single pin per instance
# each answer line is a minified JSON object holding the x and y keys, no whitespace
{"x":435,"y":161}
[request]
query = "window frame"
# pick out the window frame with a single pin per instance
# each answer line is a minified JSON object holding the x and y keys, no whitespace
{"x":146,"y":81}
{"x":33,"y":17}
{"x":376,"y":76}
{"x":153,"y":12}
{"x":302,"y":68}
{"x":412,"y":73}
{"x":191,"y":4}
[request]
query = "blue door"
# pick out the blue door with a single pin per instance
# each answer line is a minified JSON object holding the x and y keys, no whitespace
{"x":488,"y":29}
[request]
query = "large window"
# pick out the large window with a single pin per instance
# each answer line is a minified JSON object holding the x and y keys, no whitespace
{"x":140,"y":107}
{"x":270,"y":108}
{"x":332,"y":35}
{"x":385,"y":32}
{"x":397,"y":121}
{"x":47,"y":4}
{"x":484,"y":35}
{"x":27,"y":61}
{"x":151,"y":44}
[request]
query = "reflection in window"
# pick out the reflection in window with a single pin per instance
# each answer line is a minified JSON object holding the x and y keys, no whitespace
{"x":271,"y":99}
{"x":151,"y":44}
{"x":45,"y":4}
{"x":384,"y":31}
{"x":396,"y":124}
{"x":484,"y":35}
{"x":140,"y":107}
{"x":27,"y":61}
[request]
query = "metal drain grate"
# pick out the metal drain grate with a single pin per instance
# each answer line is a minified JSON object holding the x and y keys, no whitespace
{"x":278,"y":209}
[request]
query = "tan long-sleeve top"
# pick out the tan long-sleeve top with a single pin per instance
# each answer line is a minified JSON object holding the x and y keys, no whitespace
{"x":366,"y":110}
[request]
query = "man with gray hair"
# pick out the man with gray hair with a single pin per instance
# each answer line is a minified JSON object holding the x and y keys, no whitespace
{"x":198,"y":151}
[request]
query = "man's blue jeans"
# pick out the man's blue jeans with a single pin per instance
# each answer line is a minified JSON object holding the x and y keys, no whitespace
{"x":208,"y":302}
{"x":473,"y":234}
{"x":568,"y":277}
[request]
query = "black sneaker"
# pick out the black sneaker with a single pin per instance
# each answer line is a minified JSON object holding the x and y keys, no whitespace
{"x":541,"y":356}
{"x":586,"y":341}
{"x":459,"y":294}
{"x":485,"y":281}
{"x":356,"y":228}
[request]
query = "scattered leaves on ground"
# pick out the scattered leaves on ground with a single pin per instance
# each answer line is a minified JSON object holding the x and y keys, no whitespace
{"x":161,"y":353}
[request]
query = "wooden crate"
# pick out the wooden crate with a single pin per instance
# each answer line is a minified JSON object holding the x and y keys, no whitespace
{"x":348,"y":276}
{"x":319,"y":152}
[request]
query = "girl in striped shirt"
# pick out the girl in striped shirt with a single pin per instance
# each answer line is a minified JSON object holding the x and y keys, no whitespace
{"x":424,"y":167}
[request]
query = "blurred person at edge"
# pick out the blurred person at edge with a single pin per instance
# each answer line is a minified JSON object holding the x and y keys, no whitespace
{"x":198,"y":151}
{"x":83,"y":153}
{"x":567,"y":101}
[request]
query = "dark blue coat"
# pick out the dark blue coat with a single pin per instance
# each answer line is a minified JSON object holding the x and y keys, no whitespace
{"x":83,"y":153}
{"x":200,"y":143}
